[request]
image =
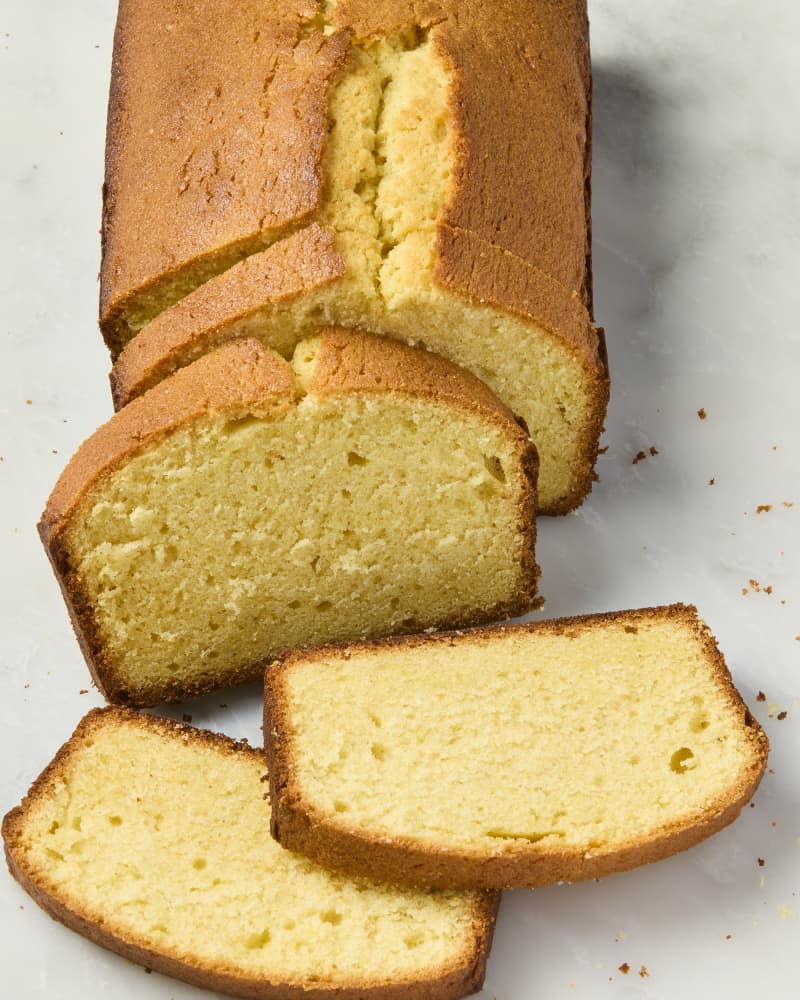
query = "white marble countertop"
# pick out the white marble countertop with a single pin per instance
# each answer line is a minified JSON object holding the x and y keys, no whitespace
{"x":696,"y":233}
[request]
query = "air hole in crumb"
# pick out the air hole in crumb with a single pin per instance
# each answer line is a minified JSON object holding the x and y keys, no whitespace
{"x":340,"y":806}
{"x":254,"y":941}
{"x":331,"y":917}
{"x":353,"y":458}
{"x":53,"y":826}
{"x":682,"y":760}
{"x":495,"y":467}
{"x":323,"y":605}
{"x":199,"y":864}
{"x":378,"y":751}
{"x":294,"y":605}
{"x":76,"y":823}
{"x":374,"y":719}
{"x":413,"y":940}
{"x":235,"y":426}
{"x":115,"y":820}
{"x":699,"y":722}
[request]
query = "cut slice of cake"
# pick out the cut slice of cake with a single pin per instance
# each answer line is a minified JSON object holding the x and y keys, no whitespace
{"x":246,"y":506}
{"x":127,"y":839}
{"x":510,"y":756}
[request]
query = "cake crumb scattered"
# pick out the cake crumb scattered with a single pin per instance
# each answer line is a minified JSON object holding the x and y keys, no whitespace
{"x":643,"y":972}
{"x":624,"y":968}
{"x":761,"y":862}
{"x":745,"y":591}
{"x":711,"y":482}
{"x":186,"y":717}
{"x":786,"y":912}
{"x":83,"y":691}
{"x":763,"y":508}
{"x":640,"y":457}
{"x":602,"y":451}
{"x":787,"y":503}
{"x":702,"y":413}
{"x":728,"y":937}
{"x":653,"y":451}
{"x":26,"y":685}
{"x":768,"y":589}
{"x":28,"y":402}
{"x":781,"y":716}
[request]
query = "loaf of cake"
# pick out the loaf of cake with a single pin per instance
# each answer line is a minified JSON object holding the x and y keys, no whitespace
{"x":513,"y":756}
{"x":246,"y":506}
{"x":417,"y":170}
{"x":127,"y":839}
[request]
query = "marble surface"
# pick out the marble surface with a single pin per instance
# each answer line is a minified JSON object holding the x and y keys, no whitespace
{"x":696,"y":223}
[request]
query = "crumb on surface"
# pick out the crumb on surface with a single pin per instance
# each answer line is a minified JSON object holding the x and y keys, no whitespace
{"x":643,"y":972}
{"x":602,"y":451}
{"x":728,"y":937}
{"x":745,"y":591}
{"x":787,"y":503}
{"x":781,"y":716}
{"x":83,"y":691}
{"x":763,"y":508}
{"x":653,"y":450}
{"x":761,"y":696}
{"x":761,"y":862}
{"x":702,"y":413}
{"x":711,"y":482}
{"x":640,"y":457}
{"x":28,"y":402}
{"x":624,"y":968}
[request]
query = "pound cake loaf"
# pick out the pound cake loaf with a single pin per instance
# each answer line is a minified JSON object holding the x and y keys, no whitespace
{"x":246,"y":506}
{"x":416,"y":170}
{"x":513,"y":756}
{"x":127,"y":839}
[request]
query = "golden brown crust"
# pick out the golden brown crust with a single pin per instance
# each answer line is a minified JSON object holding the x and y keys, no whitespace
{"x":299,"y":826}
{"x":220,"y":309}
{"x":520,"y":103}
{"x":455,"y":981}
{"x":243,"y":377}
{"x":516,"y":230}
{"x":215,"y":138}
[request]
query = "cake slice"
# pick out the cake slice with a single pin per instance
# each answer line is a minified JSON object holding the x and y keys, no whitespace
{"x":127,"y":839}
{"x":246,"y":506}
{"x":510,"y":756}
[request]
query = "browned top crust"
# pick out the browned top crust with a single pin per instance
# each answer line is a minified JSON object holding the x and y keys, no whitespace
{"x":240,"y":377}
{"x":216,"y":124}
{"x":231,"y":161}
{"x":216,"y":311}
{"x":521,"y":107}
{"x":455,"y":979}
{"x":301,"y":826}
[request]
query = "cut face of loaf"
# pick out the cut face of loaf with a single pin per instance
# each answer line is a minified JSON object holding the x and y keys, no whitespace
{"x":127,"y":838}
{"x":246,"y":506}
{"x":418,"y":171}
{"x":514,"y":756}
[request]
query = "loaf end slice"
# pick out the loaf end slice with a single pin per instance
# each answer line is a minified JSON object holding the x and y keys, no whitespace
{"x":246,"y":506}
{"x":511,"y":756}
{"x":126,"y":838}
